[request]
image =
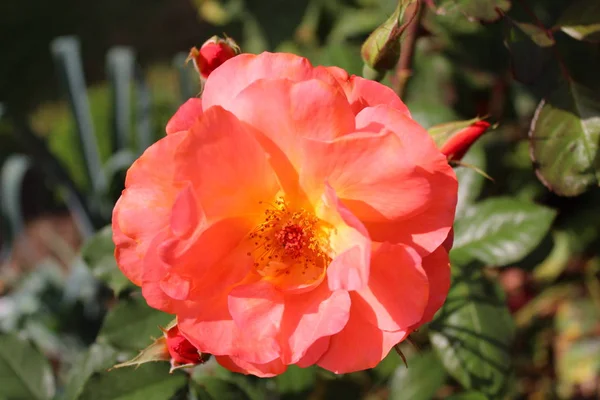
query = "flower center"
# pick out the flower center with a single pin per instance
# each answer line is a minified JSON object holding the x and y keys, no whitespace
{"x":290,"y":242}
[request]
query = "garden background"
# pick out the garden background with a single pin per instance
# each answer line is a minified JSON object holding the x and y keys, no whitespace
{"x":85,"y":87}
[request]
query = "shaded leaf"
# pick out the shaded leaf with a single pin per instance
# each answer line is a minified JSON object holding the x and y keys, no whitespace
{"x":421,"y":380}
{"x":296,"y":379}
{"x":500,"y":231}
{"x":530,"y":50}
{"x":98,"y":254}
{"x":98,"y":358}
{"x":211,"y":388}
{"x":577,"y":346}
{"x":132,"y":324}
{"x":477,"y":9}
{"x":473,"y":332}
{"x":149,"y":382}
{"x":470,"y":395}
{"x":581,"y":20}
{"x":24,"y":372}
{"x":564,"y":139}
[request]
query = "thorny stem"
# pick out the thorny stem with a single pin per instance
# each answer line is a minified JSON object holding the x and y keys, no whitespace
{"x":403,"y":69}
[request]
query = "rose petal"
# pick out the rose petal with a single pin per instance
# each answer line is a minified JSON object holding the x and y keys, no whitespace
{"x":431,"y":186}
{"x":350,"y":245}
{"x":398,"y":288}
{"x":233,"y":76}
{"x":144,"y":208}
{"x":311,"y":316}
{"x":227,"y":167}
{"x":266,"y":370}
{"x":360,"y":345}
{"x":437,"y":268}
{"x":186,"y":116}
{"x":362,"y":93}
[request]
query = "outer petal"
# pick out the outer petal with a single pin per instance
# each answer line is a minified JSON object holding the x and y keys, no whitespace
{"x":434,"y":186}
{"x":257,"y":309}
{"x":310,"y":318}
{"x":350,"y":245}
{"x":362,"y":93}
{"x":437,"y":267}
{"x":398,"y":289}
{"x":233,"y":76}
{"x":144,"y":208}
{"x":208,"y":324}
{"x":358,"y":346}
{"x":314,"y":352}
{"x":228,"y":169}
{"x":270,"y":369}
{"x":186,"y":116}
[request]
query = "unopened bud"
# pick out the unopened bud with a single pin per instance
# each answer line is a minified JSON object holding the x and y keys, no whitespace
{"x":381,"y":50}
{"x":214,"y":52}
{"x":181,"y":350}
{"x":455,"y":138}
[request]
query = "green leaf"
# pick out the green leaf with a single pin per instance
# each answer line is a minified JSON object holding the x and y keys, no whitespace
{"x":211,"y":388}
{"x":477,"y":9}
{"x":296,"y":379}
{"x":530,"y":50}
{"x":470,"y":395}
{"x":565,"y":137}
{"x":581,"y":20}
{"x":354,"y":22}
{"x":132,"y":324}
{"x":500,"y":231}
{"x":421,"y":380}
{"x":98,"y":358}
{"x":99,"y":255}
{"x":24,"y":372}
{"x":472,"y":334}
{"x":148,"y":382}
{"x":470,"y":181}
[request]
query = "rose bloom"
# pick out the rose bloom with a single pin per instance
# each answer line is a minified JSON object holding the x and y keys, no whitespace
{"x":292,"y":215}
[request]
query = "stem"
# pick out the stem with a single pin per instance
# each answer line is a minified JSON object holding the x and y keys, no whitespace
{"x":404,"y":67}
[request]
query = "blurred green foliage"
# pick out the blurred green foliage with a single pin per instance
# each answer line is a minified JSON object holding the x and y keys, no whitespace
{"x":521,"y":320}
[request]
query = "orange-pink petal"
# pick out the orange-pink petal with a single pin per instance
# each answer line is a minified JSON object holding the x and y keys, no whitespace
{"x":144,"y":208}
{"x":227,"y":81}
{"x":360,"y":345}
{"x":228,"y":169}
{"x":185,"y":116}
{"x":309,"y":318}
{"x":437,"y":268}
{"x":350,"y":245}
{"x":397,"y":293}
{"x":362,"y":93}
{"x":431,"y":186}
{"x":267,"y":370}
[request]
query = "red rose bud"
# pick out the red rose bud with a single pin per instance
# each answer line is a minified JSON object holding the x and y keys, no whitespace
{"x":181,"y":350}
{"x":381,"y":50}
{"x":455,"y":138}
{"x":214,"y":52}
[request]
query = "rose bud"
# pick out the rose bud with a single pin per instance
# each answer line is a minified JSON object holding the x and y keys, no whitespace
{"x":455,"y":138}
{"x":381,"y":50}
{"x":181,"y":350}
{"x":214,"y":52}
